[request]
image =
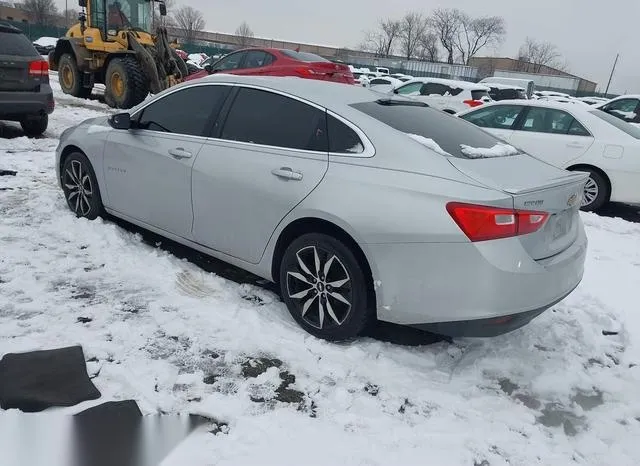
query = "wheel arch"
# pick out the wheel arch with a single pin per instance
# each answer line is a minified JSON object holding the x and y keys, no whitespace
{"x":66,"y":152}
{"x":72,"y":47}
{"x":305,"y":225}
{"x":600,"y":171}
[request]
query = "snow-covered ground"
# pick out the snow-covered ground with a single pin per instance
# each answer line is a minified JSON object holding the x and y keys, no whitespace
{"x":176,"y":338}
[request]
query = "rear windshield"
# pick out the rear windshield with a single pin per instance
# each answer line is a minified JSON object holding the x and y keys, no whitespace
{"x":631,"y":130}
{"x":16,"y":44}
{"x":448,"y":131}
{"x":304,"y":56}
{"x":478,"y":95}
{"x":507,"y":94}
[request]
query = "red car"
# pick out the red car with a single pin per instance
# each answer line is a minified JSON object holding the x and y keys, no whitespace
{"x":279,"y":62}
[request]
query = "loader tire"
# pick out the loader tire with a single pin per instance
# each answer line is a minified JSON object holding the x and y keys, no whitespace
{"x":70,"y":77}
{"x":182,"y":65}
{"x":125,"y":83}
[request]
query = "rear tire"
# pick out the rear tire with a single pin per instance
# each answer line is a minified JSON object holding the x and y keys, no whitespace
{"x":34,"y":126}
{"x":324,"y":287}
{"x":596,"y":191}
{"x":125,"y":83}
{"x":80,"y":186}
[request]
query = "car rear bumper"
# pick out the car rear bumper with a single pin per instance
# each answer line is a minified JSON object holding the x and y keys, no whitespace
{"x":15,"y":105}
{"x":459,"y":289}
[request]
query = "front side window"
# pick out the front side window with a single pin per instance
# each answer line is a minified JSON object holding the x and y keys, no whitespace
{"x":188,"y":111}
{"x":410,"y":89}
{"x":625,"y":109}
{"x":266,"y":118}
{"x":128,"y":14}
{"x":548,"y":120}
{"x":230,"y":62}
{"x":497,"y":116}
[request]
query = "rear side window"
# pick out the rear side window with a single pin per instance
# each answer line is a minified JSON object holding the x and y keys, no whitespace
{"x":187,"y":111}
{"x":434,"y":89}
{"x":303,"y":56}
{"x":342,"y":139}
{"x":553,"y":121}
{"x":446,"y":130}
{"x":16,"y":44}
{"x":266,"y":118}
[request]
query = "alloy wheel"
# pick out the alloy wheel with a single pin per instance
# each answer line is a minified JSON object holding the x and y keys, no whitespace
{"x":77,"y":183}
{"x":320,"y":287}
{"x":591,"y":192}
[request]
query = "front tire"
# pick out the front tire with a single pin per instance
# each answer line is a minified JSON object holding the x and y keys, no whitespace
{"x":70,"y":77}
{"x":324,"y":287}
{"x":80,"y":187}
{"x":35,"y":126}
{"x":596,"y":192}
{"x":125,"y":83}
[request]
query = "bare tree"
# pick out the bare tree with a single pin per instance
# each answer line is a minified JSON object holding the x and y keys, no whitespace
{"x":534,"y":55}
{"x":412,"y":27}
{"x":446,"y":25}
{"x":70,"y":17}
{"x":245,"y":34}
{"x":382,"y":41}
{"x":41,"y":11}
{"x":428,"y":47}
{"x":190,"y":20}
{"x":476,"y":33}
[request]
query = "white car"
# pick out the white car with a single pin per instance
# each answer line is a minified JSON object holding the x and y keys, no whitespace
{"x":543,"y":94}
{"x":445,"y":94}
{"x":593,"y":100}
{"x":573,"y":137}
{"x":402,"y":77}
{"x":626,"y":107}
{"x":384,"y":84}
{"x":499,"y":91}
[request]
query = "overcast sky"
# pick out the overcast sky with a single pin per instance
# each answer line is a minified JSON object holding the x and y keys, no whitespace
{"x":588,"y":33}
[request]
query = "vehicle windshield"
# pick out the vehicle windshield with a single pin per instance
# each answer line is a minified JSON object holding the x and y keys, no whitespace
{"x":135,"y":14}
{"x":450,"y":133}
{"x":628,"y":128}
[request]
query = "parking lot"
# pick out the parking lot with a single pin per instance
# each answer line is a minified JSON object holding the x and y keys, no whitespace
{"x":179,"y":332}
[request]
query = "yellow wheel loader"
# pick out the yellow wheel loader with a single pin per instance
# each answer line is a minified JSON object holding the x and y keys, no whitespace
{"x":111,"y":45}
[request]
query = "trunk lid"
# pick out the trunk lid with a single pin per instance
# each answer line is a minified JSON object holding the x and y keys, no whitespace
{"x":333,"y":71}
{"x":14,"y":74}
{"x":536,"y":186}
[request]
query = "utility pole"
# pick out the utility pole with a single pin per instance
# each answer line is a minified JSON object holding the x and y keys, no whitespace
{"x":66,"y":13}
{"x":611,"y":76}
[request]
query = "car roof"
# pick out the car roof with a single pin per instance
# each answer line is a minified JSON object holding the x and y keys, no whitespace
{"x":462,"y":84}
{"x":5,"y":27}
{"x":325,"y":93}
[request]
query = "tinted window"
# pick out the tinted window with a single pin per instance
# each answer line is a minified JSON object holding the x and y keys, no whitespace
{"x":498,"y":116}
{"x":621,"y":125}
{"x":507,"y":94}
{"x":257,"y":59}
{"x":342,"y":139}
{"x":262,"y":117}
{"x":434,"y":89}
{"x":448,"y":131}
{"x":303,"y":56}
{"x":16,"y":44}
{"x":230,"y":62}
{"x":478,"y":95}
{"x":576,"y":129}
{"x":188,"y":111}
{"x":379,"y":81}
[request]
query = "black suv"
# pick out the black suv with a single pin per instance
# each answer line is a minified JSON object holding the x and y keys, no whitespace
{"x":25,"y":94}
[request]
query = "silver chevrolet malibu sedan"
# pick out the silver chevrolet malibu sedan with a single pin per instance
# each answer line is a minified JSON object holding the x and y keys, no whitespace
{"x":361,"y":206}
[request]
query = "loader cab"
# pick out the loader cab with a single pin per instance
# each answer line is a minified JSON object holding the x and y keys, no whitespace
{"x":112,"y":16}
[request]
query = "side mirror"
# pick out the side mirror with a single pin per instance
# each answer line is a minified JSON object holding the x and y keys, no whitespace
{"x":120,"y":121}
{"x":82,"y":3}
{"x":163,"y":9}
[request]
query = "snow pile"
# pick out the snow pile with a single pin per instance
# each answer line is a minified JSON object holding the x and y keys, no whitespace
{"x":46,"y":41}
{"x":430,"y":143}
{"x":180,"y":338}
{"x":499,"y":150}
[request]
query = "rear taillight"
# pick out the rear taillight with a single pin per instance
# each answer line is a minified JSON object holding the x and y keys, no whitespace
{"x":38,"y":69}
{"x":305,"y":71}
{"x":473,"y":103}
{"x":482,"y":223}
